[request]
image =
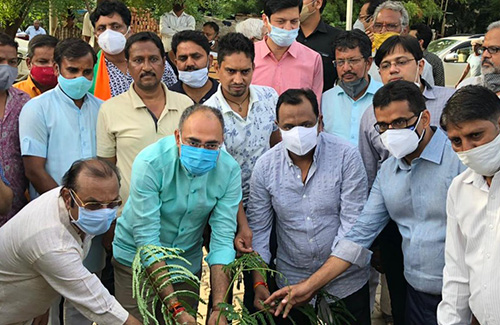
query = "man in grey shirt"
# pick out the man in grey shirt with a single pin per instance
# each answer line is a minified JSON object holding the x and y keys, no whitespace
{"x":313,"y":186}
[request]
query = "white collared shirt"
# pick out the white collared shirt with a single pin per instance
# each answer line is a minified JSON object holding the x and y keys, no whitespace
{"x":246,"y":139}
{"x":471,"y":280}
{"x":41,"y":257}
{"x":171,"y":24}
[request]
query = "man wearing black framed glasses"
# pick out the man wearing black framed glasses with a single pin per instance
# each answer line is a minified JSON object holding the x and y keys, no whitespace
{"x":410,"y":189}
{"x":42,"y":248}
{"x":490,"y":61}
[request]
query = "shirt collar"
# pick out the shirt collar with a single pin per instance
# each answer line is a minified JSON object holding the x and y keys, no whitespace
{"x":373,"y":86}
{"x":137,"y":101}
{"x":433,"y":151}
{"x":293,"y":49}
{"x":183,"y":14}
{"x":477,"y":180}
{"x":428,"y":92}
{"x":225,"y":106}
{"x":33,"y":86}
{"x":321,"y":27}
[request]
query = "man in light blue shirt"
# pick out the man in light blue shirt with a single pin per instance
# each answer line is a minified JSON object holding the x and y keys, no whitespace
{"x":314,"y":187}
{"x":411,"y":189}
{"x":178,"y":185}
{"x":35,"y":30}
{"x":59,"y":127}
{"x":343,"y":105}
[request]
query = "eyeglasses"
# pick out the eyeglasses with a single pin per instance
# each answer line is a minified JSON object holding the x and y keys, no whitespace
{"x":377,"y":27}
{"x":490,"y":49}
{"x":352,"y":62}
{"x":207,"y":145}
{"x":399,"y":63}
{"x":400,"y":123}
{"x":95,"y":205}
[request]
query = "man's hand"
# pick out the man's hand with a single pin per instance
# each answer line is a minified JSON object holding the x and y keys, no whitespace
{"x":295,"y":295}
{"x":261,"y":295}
{"x":243,"y":240}
{"x":42,"y":319}
{"x":216,"y":318}
{"x":185,"y":318}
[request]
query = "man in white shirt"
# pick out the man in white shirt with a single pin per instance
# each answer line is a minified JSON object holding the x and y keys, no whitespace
{"x":490,"y":61}
{"x":42,"y":248}
{"x":471,"y":281}
{"x":174,"y":21}
{"x":34,"y":30}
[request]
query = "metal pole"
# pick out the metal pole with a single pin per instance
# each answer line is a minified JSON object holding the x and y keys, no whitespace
{"x":348,"y":15}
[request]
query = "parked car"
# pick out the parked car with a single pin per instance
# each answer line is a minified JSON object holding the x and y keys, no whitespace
{"x":453,"y":51}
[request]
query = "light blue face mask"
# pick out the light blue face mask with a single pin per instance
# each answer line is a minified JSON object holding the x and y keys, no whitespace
{"x":283,"y":37}
{"x":75,"y":88}
{"x":198,"y":161}
{"x":94,"y":222}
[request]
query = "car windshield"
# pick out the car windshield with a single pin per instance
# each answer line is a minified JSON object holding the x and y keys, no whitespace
{"x":441,"y":44}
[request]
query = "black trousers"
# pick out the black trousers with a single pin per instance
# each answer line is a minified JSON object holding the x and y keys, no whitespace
{"x":358,"y":304}
{"x":421,"y":308}
{"x":393,"y":263}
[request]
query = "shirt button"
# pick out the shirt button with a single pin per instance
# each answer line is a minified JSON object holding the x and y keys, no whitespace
{"x":4,"y":134}
{"x":491,"y":226}
{"x":298,"y":176}
{"x":304,"y":196}
{"x":193,"y":191}
{"x":308,"y":218}
{"x":484,"y":286}
{"x":182,"y":229}
{"x":488,"y":255}
{"x":310,"y":240}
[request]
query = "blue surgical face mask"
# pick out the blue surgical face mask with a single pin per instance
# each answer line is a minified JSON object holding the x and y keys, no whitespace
{"x":94,"y":222}
{"x":75,"y":88}
{"x":283,"y":37}
{"x":198,"y":161}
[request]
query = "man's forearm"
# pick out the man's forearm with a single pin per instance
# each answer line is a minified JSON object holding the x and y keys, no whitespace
{"x":332,"y":268}
{"x":219,"y":283}
{"x":165,"y":292}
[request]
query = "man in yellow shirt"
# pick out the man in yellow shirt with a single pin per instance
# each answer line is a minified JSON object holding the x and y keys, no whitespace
{"x":147,"y":112}
{"x":40,"y":62}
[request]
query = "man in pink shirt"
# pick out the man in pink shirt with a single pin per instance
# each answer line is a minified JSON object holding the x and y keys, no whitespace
{"x":280,"y":61}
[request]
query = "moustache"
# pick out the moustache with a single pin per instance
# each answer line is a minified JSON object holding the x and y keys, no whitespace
{"x":147,"y":73}
{"x":348,"y":74}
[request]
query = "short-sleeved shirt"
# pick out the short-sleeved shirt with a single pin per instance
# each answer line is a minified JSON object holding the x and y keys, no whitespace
{"x":120,"y":82}
{"x":246,"y":139}
{"x":10,"y":152}
{"x":125,"y":126}
{"x":51,"y":126}
{"x":342,"y":114}
{"x":322,"y":40}
{"x":28,"y":86}
{"x":299,"y":67}
{"x":475,"y":64}
{"x":177,"y":87}
{"x":169,"y":207}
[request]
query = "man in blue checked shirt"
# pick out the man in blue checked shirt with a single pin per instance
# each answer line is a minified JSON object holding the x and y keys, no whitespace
{"x":313,"y":186}
{"x":178,"y":185}
{"x":411,"y":189}
{"x":6,"y":194}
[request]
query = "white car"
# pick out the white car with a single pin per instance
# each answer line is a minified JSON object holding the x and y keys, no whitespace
{"x":453,"y":51}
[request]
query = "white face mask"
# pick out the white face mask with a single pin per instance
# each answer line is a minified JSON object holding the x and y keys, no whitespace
{"x":300,"y":140}
{"x":112,"y":42}
{"x":417,"y":77}
{"x":402,"y":142}
{"x":194,"y":79}
{"x":358,"y":25}
{"x":485,"y":159}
